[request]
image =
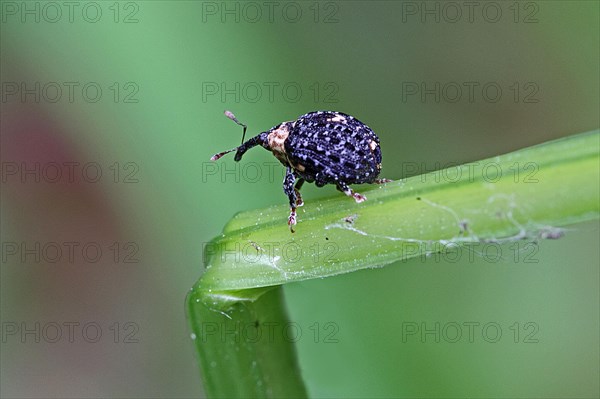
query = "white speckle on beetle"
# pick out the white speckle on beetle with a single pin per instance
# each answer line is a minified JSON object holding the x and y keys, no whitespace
{"x":338,"y":118}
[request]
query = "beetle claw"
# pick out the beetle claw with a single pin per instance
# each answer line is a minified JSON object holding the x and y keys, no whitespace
{"x":382,"y":181}
{"x":299,"y":201}
{"x":359,"y":197}
{"x":292,"y":219}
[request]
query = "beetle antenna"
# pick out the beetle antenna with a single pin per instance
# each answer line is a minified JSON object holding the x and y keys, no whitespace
{"x":231,"y":116}
{"x":219,"y":155}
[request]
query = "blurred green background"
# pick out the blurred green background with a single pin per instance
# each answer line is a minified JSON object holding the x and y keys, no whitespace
{"x":166,"y":72}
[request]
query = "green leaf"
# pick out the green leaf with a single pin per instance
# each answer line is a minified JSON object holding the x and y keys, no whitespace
{"x":524,"y":195}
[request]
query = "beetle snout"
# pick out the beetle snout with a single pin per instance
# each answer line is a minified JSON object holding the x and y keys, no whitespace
{"x":238,"y":155}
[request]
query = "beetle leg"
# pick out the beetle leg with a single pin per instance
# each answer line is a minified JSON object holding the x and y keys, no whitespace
{"x":343,"y":187}
{"x":289,"y":190}
{"x":297,"y":188}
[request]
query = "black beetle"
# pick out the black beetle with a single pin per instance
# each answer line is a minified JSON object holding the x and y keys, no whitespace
{"x":324,"y":147}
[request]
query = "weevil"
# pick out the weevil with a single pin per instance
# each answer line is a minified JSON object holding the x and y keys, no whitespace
{"x":324,"y":147}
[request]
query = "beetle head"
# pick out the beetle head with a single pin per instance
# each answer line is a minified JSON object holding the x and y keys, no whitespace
{"x":261,"y":139}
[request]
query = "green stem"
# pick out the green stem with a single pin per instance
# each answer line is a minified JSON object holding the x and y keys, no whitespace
{"x":526,"y":194}
{"x":248,"y":352}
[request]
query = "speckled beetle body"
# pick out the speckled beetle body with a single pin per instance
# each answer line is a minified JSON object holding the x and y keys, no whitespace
{"x":324,"y":147}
